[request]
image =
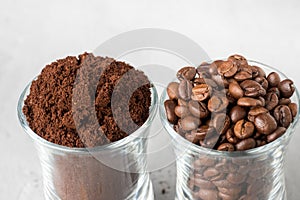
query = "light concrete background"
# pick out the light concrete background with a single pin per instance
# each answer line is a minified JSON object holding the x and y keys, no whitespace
{"x":33,"y":33}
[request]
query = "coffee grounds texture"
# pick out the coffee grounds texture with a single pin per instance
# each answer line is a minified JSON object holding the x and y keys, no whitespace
{"x":64,"y":97}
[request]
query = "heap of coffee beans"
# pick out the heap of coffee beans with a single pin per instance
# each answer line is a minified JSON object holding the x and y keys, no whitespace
{"x":230,"y":105}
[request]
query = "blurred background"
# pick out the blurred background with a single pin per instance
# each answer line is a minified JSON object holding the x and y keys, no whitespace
{"x":34,"y":33}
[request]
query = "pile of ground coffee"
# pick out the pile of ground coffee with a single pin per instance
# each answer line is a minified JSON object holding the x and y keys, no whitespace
{"x":51,"y":105}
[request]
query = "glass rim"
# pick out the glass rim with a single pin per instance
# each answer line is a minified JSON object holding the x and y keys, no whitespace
{"x":255,"y":151}
{"x":36,"y":138}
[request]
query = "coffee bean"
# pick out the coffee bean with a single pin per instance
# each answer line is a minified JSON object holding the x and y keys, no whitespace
{"x":172,"y":90}
{"x":229,"y":97}
{"x":236,"y":178}
{"x":276,"y":134}
{"x":265,"y":123}
{"x":201,"y":132}
{"x":283,"y":115}
{"x":230,"y":136}
{"x":192,"y":138}
{"x":210,"y":141}
{"x":181,"y":111}
{"x":206,"y":161}
{"x":237,"y":113}
{"x":275,"y":90}
{"x":220,"y":81}
{"x":255,"y":111}
{"x":208,"y":194}
{"x":204,"y":184}
{"x":221,"y":122}
{"x":177,"y":127}
{"x":262,"y":100}
{"x":210,"y":173}
{"x":227,"y":68}
{"x":170,"y":111}
{"x":294,"y":109}
{"x":201,"y":92}
{"x":185,"y":89}
{"x":260,"y":143}
{"x":259,"y":71}
{"x":244,"y":73}
{"x":224,"y":184}
{"x":230,"y":191}
{"x":286,"y":88}
{"x":243,"y":129}
{"x":186,"y":73}
{"x":271,"y":100}
{"x":284,"y":101}
{"x":203,"y":70}
{"x":238,"y":60}
{"x":182,"y":102}
{"x":252,"y":88}
{"x":235,"y":90}
{"x":217,"y":103}
{"x":226,"y":196}
{"x":273,"y":79}
{"x":207,"y":81}
{"x":226,"y":147}
{"x":245,"y":144}
{"x":213,"y":68}
{"x":198,"y":109}
{"x":190,"y":123}
{"x":262,"y":81}
{"x":249,"y":102}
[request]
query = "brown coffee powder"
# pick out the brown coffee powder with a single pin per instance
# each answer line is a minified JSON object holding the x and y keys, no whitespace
{"x":51,"y":108}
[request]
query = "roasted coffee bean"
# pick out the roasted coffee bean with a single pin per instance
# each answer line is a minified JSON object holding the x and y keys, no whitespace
{"x":260,"y":143}
{"x":201,"y":92}
{"x":227,"y":68}
{"x":259,"y":71}
{"x":237,"y":113}
{"x":170,"y":111}
{"x":276,"y":134}
{"x":210,"y":141}
{"x":226,"y":147}
{"x":273,"y":79}
{"x":262,"y":100}
{"x":243,"y":129}
{"x":230,"y":136}
{"x":262,"y":81}
{"x":185,"y":89}
{"x":244,"y":73}
{"x":238,"y":60}
{"x":201,"y":132}
{"x":255,"y":111}
{"x":221,"y":122}
{"x":217,"y":103}
{"x":172,"y":90}
{"x":190,"y":123}
{"x":226,"y":196}
{"x":252,"y":88}
{"x":275,"y":90}
{"x":182,"y":111}
{"x":245,"y":144}
{"x":271,"y":100}
{"x":192,"y":138}
{"x":198,"y":109}
{"x":203,"y":70}
{"x":213,"y":68}
{"x":206,"y":161}
{"x":230,"y":98}
{"x":235,"y":90}
{"x":236,"y":178}
{"x":208,"y":194}
{"x":207,"y":81}
{"x":284,"y":101}
{"x":224,"y":184}
{"x":204,"y":184}
{"x":186,"y":73}
{"x":182,"y":102}
{"x":230,"y":191}
{"x":249,"y":102}
{"x":220,"y":81}
{"x":178,"y":129}
{"x":210,"y":173}
{"x":286,"y":88}
{"x":265,"y":123}
{"x":283,"y":115}
{"x":294,"y":109}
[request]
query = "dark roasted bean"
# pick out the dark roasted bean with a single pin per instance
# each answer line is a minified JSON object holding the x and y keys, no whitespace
{"x":252,"y":88}
{"x":190,"y":123}
{"x":276,"y":134}
{"x":182,"y":102}
{"x":186,"y":73}
{"x":221,"y":122}
{"x":182,"y":111}
{"x":230,"y":136}
{"x":255,"y":111}
{"x":198,"y":109}
{"x":271,"y":100}
{"x":217,"y":103}
{"x":262,"y":81}
{"x":201,"y":92}
{"x":249,"y":102}
{"x":283,"y":115}
{"x":227,"y":68}
{"x":245,"y":144}
{"x":238,"y":60}
{"x":273,"y":79}
{"x":226,"y":147}
{"x":244,"y":73}
{"x":235,"y":90}
{"x":208,"y":194}
{"x":286,"y":88}
{"x":237,"y":113}
{"x":172,"y":90}
{"x":265,"y":123}
{"x":294,"y":109}
{"x":284,"y":101}
{"x":243,"y":129}
{"x":170,"y":111}
{"x":185,"y":89}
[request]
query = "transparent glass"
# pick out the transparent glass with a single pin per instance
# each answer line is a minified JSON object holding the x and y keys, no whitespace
{"x":206,"y":174}
{"x":115,"y":171}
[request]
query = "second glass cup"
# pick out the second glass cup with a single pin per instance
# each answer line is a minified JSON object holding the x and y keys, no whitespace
{"x":207,"y":174}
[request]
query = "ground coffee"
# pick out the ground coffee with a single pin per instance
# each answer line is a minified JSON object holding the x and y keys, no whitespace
{"x":50,"y":106}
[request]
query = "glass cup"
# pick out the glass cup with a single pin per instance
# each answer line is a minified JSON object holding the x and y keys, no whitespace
{"x":115,"y":171}
{"x":207,"y":174}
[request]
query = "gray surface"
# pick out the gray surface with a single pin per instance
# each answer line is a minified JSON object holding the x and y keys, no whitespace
{"x":34,"y":33}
